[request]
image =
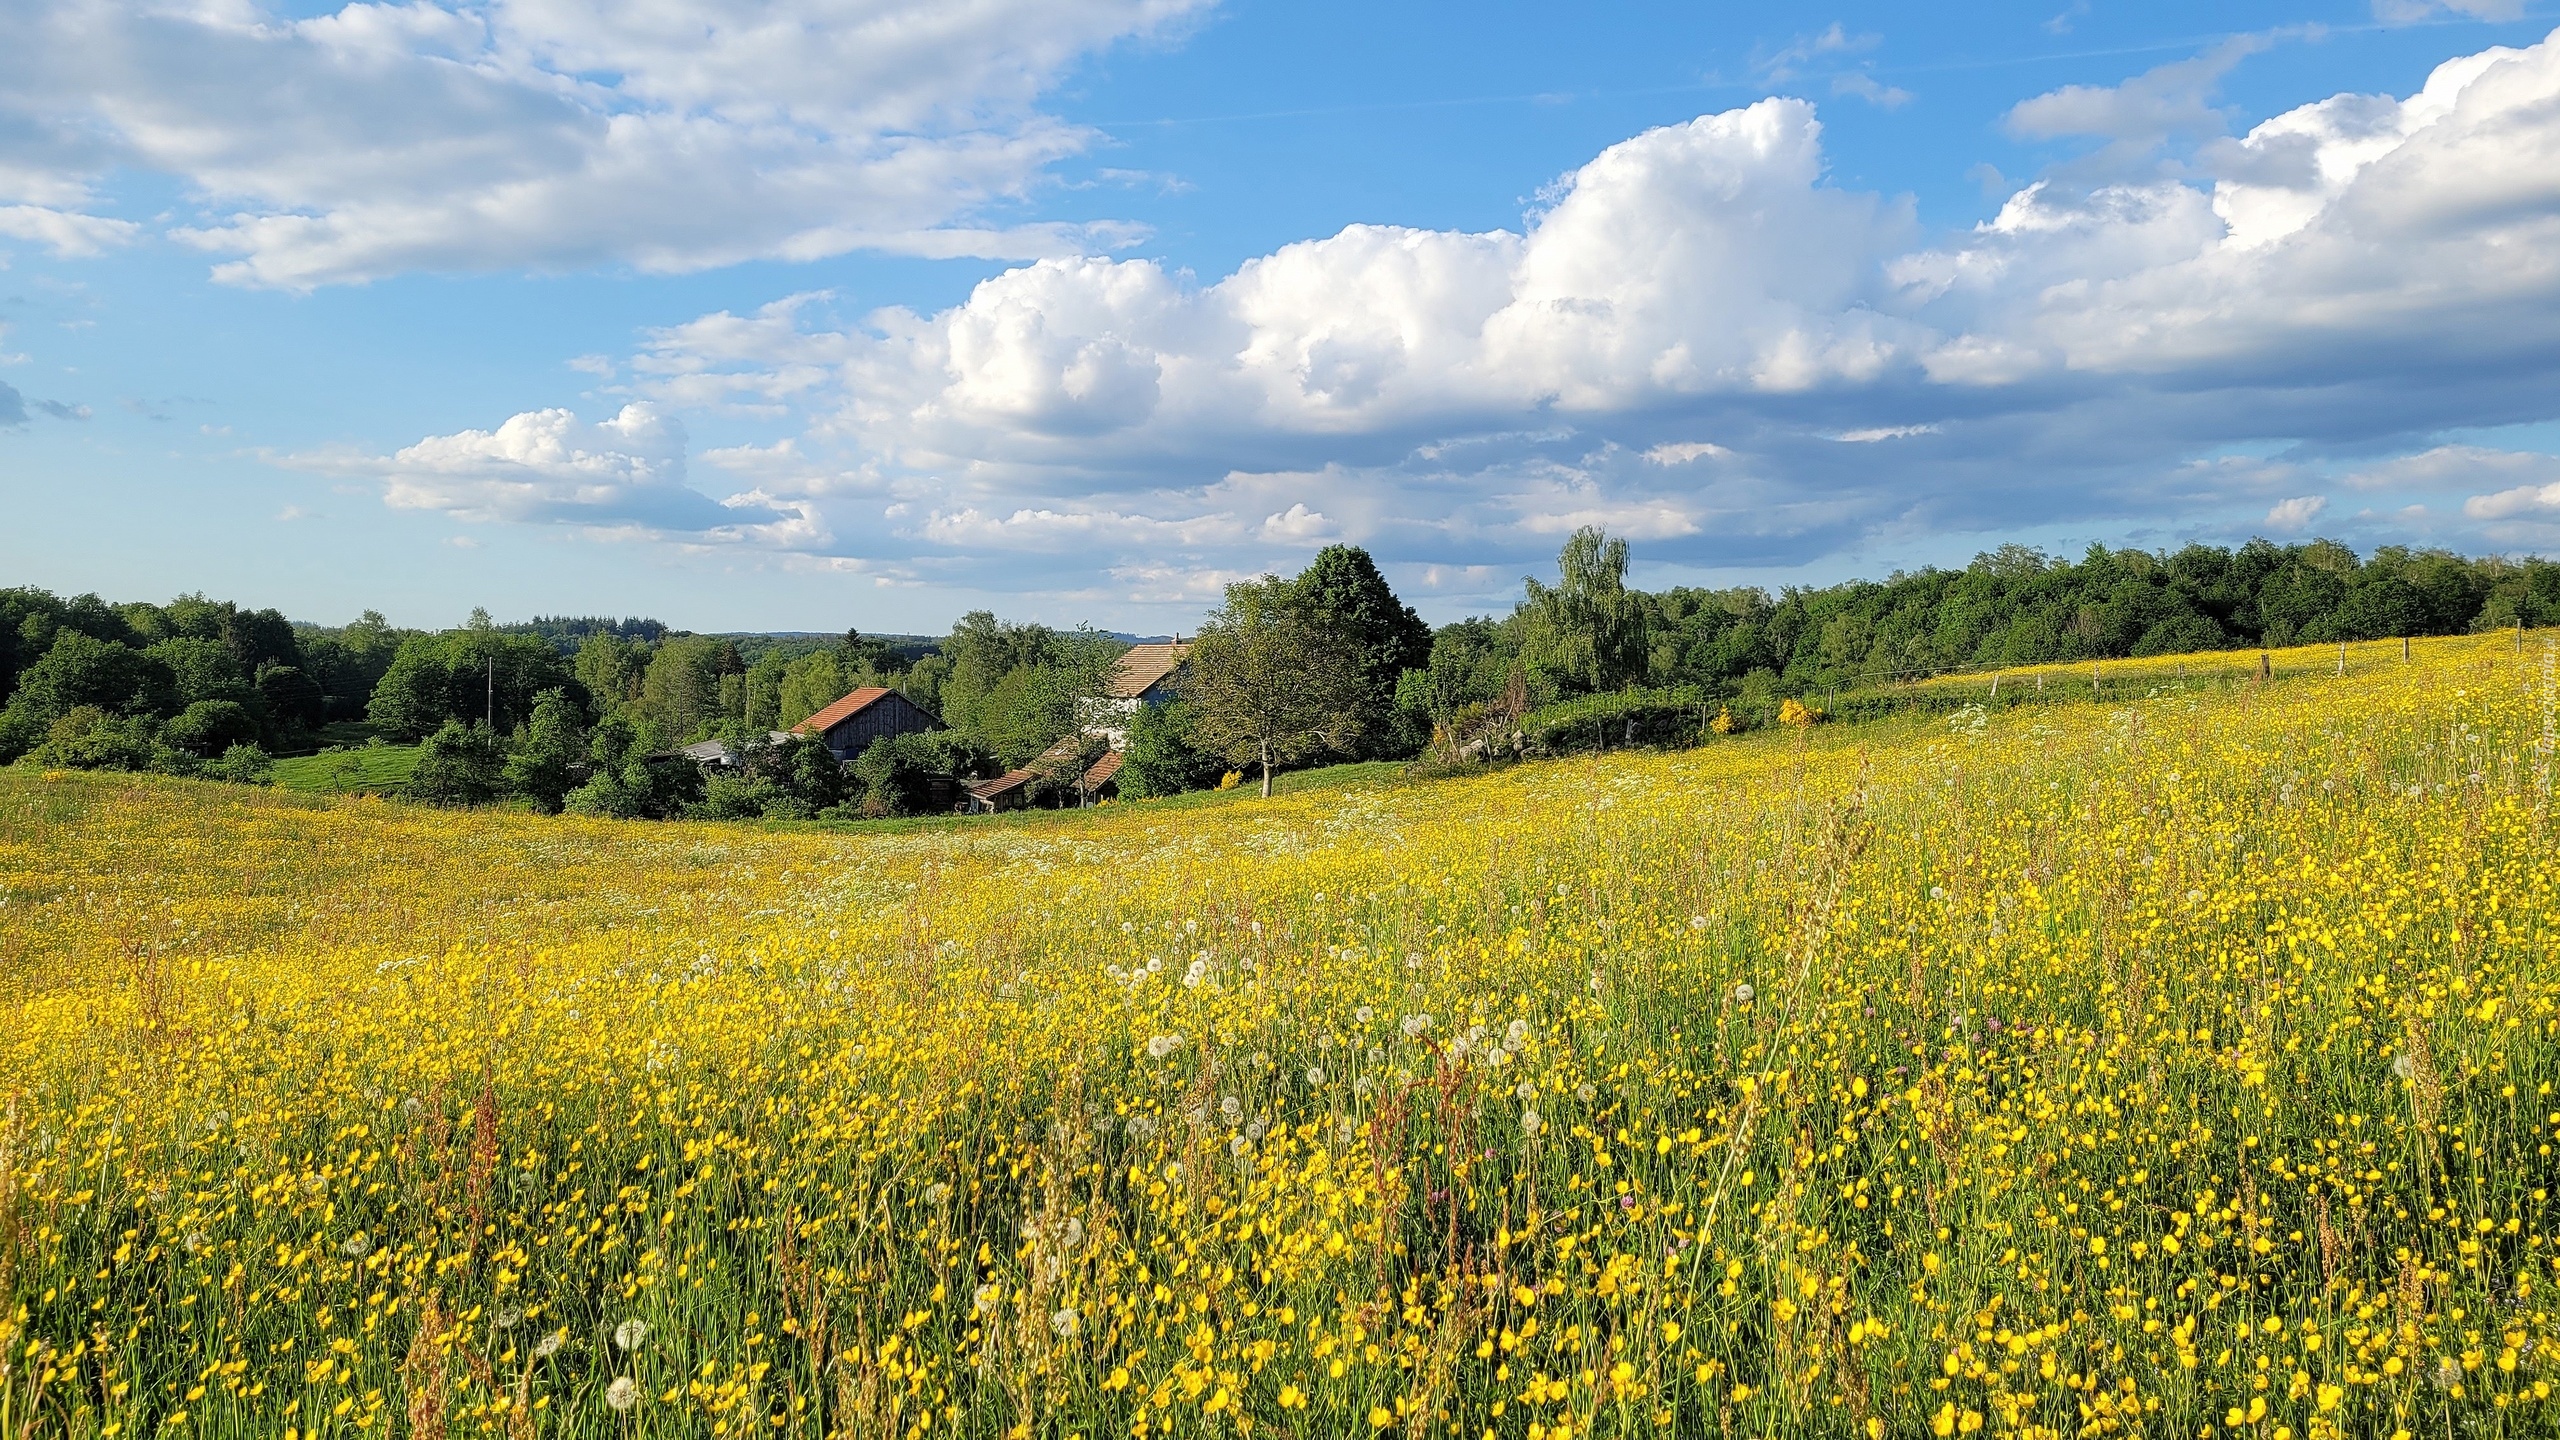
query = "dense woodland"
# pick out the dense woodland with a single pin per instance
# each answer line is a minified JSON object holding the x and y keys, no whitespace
{"x":584,"y":713}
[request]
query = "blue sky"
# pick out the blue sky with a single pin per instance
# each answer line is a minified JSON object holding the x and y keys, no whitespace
{"x":867,"y":312}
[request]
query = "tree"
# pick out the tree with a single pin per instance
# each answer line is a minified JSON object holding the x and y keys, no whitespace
{"x":207,"y":728}
{"x":203,"y":670}
{"x":542,"y":769}
{"x":1344,"y":593}
{"x":79,"y":670}
{"x":88,"y":738}
{"x":460,"y":765}
{"x":1159,"y":757}
{"x":1588,"y":630}
{"x":483,"y":676}
{"x":291,"y":697}
{"x":681,"y":689}
{"x":1269,"y":683}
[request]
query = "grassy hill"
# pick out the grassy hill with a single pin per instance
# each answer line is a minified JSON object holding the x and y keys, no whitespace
{"x":2180,"y":1062}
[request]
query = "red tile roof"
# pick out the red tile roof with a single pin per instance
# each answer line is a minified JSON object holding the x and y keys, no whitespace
{"x":1009,"y":780}
{"x":1102,"y":771}
{"x":1142,"y":666}
{"x":841,"y":711}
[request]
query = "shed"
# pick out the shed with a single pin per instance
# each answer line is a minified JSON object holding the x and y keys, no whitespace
{"x":710,"y":754}
{"x":850,"y":725}
{"x":1009,"y":791}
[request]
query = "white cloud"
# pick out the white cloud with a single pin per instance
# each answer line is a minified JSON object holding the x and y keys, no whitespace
{"x":1683,"y":451}
{"x":2524,"y":500}
{"x":550,"y":467}
{"x":64,"y":232}
{"x":2296,"y":514}
{"x":2456,"y":467}
{"x":2179,"y":349}
{"x":1875,"y":92}
{"x":551,"y":134}
{"x":2410,"y":12}
{"x":1874,"y":433}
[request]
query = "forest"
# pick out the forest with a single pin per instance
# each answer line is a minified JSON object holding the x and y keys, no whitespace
{"x":586,"y":713}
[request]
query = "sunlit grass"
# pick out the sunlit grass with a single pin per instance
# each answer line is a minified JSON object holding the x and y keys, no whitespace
{"x":2175,"y":1065}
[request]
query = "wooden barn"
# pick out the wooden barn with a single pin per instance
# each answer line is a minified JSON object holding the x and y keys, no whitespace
{"x":850,"y":725}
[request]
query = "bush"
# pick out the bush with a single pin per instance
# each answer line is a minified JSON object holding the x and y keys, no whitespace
{"x":461,"y":765}
{"x":210,"y":727}
{"x":904,"y":774}
{"x":242,"y":765}
{"x":1159,"y":758}
{"x":1672,"y":717}
{"x":606,"y":796}
{"x":88,"y":738}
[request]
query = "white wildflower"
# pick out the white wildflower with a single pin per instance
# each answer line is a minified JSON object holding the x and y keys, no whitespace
{"x":621,"y":1394}
{"x":630,"y":1333}
{"x":1064,"y":1322}
{"x":1743,"y":994}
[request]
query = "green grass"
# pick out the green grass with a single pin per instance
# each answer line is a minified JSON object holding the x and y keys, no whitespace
{"x":364,"y":770}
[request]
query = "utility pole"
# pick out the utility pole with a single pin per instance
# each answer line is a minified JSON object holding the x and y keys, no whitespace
{"x":489,"y":715}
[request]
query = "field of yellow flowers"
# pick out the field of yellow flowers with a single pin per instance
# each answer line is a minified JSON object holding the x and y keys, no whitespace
{"x":2176,"y":1065}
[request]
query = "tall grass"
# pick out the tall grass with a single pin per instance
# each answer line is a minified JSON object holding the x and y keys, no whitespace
{"x":2174,"y":1066}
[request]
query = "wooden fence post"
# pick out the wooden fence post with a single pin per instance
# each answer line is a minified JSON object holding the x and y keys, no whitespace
{"x":2342,"y":657}
{"x":2404,"y":649}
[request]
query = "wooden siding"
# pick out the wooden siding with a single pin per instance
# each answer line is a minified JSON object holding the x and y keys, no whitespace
{"x":891,"y":714}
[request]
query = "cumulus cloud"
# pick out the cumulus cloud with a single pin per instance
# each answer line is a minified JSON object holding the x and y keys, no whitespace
{"x":2177,"y":347}
{"x":2296,"y":514}
{"x":623,"y":473}
{"x":549,"y":134}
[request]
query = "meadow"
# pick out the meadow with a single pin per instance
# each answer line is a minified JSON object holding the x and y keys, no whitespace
{"x":2179,"y":1063}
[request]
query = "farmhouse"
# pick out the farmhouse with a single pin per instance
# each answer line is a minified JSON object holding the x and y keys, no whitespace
{"x":1144,"y":675}
{"x":873,"y":712}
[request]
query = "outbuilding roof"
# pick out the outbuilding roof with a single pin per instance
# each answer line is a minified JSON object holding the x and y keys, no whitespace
{"x":841,"y":711}
{"x":1142,"y":667}
{"x":1009,"y":780}
{"x":1103,"y":769}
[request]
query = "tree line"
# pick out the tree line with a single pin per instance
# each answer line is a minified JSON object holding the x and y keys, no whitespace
{"x":586,"y":713}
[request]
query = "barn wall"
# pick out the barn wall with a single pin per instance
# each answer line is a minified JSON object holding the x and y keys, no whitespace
{"x":891,"y":714}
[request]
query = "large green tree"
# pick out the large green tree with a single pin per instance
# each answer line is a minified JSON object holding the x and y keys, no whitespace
{"x":1270,"y":683}
{"x":1344,"y":593}
{"x":480,"y":675}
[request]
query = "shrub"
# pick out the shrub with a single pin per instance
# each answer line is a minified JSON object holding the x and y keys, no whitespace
{"x":1623,"y":718}
{"x":210,"y":727}
{"x":88,"y":738}
{"x":242,"y":765}
{"x":460,"y":765}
